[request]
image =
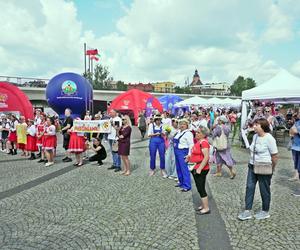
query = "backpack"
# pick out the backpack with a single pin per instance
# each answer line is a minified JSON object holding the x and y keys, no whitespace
{"x":220,"y":142}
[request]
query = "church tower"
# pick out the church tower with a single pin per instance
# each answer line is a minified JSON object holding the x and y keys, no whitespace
{"x":196,"y":79}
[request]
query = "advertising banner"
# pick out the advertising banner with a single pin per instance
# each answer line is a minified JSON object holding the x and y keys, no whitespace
{"x":98,"y":126}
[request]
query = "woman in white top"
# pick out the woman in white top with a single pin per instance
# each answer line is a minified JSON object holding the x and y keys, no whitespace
{"x":263,"y":150}
{"x":170,"y":156}
{"x":157,"y":143}
{"x":183,"y":144}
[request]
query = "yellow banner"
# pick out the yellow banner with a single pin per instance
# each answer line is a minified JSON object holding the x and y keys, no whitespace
{"x":96,"y":126}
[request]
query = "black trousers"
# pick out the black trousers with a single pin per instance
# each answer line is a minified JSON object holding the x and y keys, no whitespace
{"x":200,"y":182}
{"x":66,"y":140}
{"x":97,"y":157}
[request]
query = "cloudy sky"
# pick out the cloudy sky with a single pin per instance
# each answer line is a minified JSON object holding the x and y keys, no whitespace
{"x":152,"y":40}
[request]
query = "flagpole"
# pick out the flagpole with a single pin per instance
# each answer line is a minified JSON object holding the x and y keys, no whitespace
{"x":92,"y":70}
{"x":84,"y":48}
{"x":89,"y":64}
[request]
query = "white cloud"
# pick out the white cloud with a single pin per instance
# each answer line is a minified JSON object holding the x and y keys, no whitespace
{"x":155,"y":40}
{"x":279,"y":26}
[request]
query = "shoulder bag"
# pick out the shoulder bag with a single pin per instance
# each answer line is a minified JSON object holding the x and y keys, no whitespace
{"x":261,"y":168}
{"x":220,"y":142}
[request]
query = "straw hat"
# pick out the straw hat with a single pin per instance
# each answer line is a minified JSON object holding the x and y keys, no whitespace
{"x":184,"y":120}
{"x":157,"y":117}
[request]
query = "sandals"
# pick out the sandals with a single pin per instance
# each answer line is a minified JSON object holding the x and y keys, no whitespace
{"x":198,"y":209}
{"x":233,"y":175}
{"x":203,"y":213}
{"x":218,"y":174}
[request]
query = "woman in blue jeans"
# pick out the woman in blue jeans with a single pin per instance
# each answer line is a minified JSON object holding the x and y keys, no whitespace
{"x":263,"y":150}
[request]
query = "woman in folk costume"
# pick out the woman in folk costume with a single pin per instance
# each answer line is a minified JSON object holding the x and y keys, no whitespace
{"x":49,"y":143}
{"x":21,"y":129}
{"x":77,"y":145}
{"x":157,"y":143}
{"x":31,"y":146}
{"x":40,"y":130}
{"x":12,"y":136}
{"x":170,"y":156}
{"x":183,"y":144}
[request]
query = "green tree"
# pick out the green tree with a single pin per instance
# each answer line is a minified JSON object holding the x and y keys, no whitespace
{"x":179,"y":90}
{"x":88,"y":75}
{"x":187,"y":90}
{"x":241,"y":84}
{"x":101,"y":74}
{"x":121,"y":86}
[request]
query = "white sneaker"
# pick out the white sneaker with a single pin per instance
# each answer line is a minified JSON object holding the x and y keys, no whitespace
{"x":48,"y":164}
{"x":245,"y":215}
{"x":296,"y":193}
{"x":261,"y":215}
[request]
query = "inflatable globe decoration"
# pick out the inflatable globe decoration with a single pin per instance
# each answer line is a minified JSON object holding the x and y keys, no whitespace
{"x":69,"y":90}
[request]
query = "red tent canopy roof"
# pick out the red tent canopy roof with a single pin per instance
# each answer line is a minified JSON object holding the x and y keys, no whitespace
{"x":134,"y":100}
{"x":13,"y":99}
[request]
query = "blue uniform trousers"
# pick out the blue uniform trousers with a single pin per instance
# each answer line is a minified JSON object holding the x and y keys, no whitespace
{"x":154,"y":145}
{"x":182,"y":169}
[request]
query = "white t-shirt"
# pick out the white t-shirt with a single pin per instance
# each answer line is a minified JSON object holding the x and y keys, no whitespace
{"x":167,"y":121}
{"x":154,"y":126}
{"x":37,"y":120}
{"x":194,"y":125}
{"x":31,"y":130}
{"x":264,"y":147}
{"x":203,"y":123}
{"x":51,"y":130}
{"x":113,"y":134}
{"x":186,"y":141}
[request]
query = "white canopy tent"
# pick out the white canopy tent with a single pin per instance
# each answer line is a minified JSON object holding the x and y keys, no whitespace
{"x":282,"y":88}
{"x":214,"y":101}
{"x":195,"y":100}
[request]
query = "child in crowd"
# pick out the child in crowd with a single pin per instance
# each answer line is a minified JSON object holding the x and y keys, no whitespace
{"x":12,"y":136}
{"x":50,"y":141}
{"x":21,"y":129}
{"x":4,"y":130}
{"x":40,"y":130}
{"x":31,"y":146}
{"x":77,"y":146}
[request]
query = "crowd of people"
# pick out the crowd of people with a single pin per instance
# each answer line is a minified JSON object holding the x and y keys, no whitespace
{"x":37,"y":139}
{"x":186,"y":145}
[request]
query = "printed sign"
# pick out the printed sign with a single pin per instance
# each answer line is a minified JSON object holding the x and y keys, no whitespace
{"x":98,"y":126}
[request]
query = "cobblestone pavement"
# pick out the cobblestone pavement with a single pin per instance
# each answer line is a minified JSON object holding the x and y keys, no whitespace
{"x":94,"y":208}
{"x":281,"y":230}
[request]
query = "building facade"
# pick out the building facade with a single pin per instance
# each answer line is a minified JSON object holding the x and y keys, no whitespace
{"x":141,"y":86}
{"x":197,"y":87}
{"x":164,"y":87}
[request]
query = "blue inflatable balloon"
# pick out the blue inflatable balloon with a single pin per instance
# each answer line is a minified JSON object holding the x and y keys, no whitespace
{"x":69,"y":90}
{"x":168,"y":101}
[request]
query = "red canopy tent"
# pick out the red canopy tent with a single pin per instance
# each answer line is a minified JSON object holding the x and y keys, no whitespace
{"x":12,"y":99}
{"x":135,"y":101}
